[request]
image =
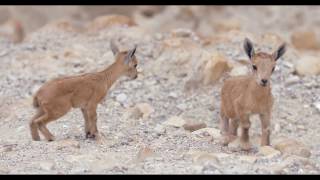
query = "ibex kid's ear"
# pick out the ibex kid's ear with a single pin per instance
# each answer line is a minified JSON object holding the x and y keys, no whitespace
{"x":248,"y":48}
{"x":279,"y":52}
{"x":130,"y":54}
{"x":114,"y":47}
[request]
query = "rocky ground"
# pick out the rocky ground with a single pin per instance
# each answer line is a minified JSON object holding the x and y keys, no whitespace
{"x":166,"y":121}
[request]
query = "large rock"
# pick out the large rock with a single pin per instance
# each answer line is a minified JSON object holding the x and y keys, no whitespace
{"x":214,"y":68}
{"x":304,"y":40}
{"x":308,"y":65}
{"x":292,"y":147}
{"x":108,"y":21}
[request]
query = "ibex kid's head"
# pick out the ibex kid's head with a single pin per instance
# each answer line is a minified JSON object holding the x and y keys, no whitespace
{"x":263,"y":64}
{"x":127,"y":59}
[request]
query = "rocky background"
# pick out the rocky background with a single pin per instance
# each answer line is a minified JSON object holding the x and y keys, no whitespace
{"x":166,"y":121}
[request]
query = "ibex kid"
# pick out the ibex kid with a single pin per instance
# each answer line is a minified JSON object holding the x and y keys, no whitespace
{"x":55,"y":98}
{"x":243,"y":96}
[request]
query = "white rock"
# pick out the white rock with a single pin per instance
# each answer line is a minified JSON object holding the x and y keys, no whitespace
{"x":182,"y":106}
{"x":175,"y":121}
{"x":35,"y":88}
{"x":121,"y":98}
{"x":173,"y":95}
{"x":159,"y":129}
{"x":47,"y":165}
{"x":292,"y":80}
{"x":277,"y":127}
{"x":317,"y":106}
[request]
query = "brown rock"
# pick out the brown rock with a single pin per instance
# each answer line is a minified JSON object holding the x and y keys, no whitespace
{"x":193,"y":126}
{"x":215,"y":68}
{"x":227,"y":25}
{"x":304,"y":40}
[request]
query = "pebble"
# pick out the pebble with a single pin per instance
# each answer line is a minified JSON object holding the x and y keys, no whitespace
{"x":121,"y":97}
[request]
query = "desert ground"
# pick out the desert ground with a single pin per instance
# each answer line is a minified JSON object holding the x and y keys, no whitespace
{"x":185,"y":53}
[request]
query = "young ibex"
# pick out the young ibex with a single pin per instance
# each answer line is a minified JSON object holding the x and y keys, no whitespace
{"x":251,"y":94}
{"x":55,"y":98}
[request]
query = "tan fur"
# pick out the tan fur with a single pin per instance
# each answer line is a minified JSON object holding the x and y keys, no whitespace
{"x":243,"y":96}
{"x":56,"y":97}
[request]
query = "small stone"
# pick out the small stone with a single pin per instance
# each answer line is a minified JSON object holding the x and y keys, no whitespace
{"x":317,"y":106}
{"x":193,"y":126}
{"x":248,"y":159}
{"x":144,"y":153}
{"x":292,"y":80}
{"x":215,"y":133}
{"x":182,"y":106}
{"x":268,"y":152}
{"x":159,"y":129}
{"x":204,"y":157}
{"x":66,"y":143}
{"x":121,"y":98}
{"x":47,"y":165}
{"x":173,"y":95}
{"x":175,"y":121}
{"x":7,"y":147}
{"x":35,"y":88}
{"x":277,"y":127}
{"x":142,"y":110}
{"x":234,"y":145}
